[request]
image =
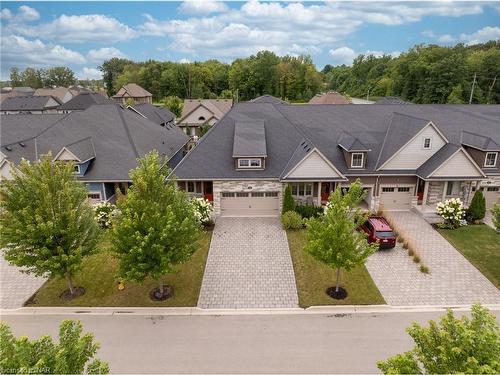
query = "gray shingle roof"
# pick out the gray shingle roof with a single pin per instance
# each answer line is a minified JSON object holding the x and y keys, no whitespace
{"x":83,"y":101}
{"x":132,"y":90}
{"x":350,"y":143}
{"x":249,"y":139}
{"x":117,"y":135}
{"x":28,"y":103}
{"x":391,"y":100}
{"x":268,"y":99}
{"x":322,"y":126}
{"x":436,"y":160}
{"x":158,"y":115}
{"x":479,"y":142}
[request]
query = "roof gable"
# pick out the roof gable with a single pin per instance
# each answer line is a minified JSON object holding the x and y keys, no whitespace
{"x":66,"y":155}
{"x":459,"y":164}
{"x":314,"y":165}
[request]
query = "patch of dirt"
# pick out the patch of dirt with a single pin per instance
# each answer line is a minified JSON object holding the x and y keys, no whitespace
{"x":67,"y":296}
{"x":341,"y":294}
{"x":156,"y":294}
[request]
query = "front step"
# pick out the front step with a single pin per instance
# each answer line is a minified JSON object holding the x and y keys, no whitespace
{"x":430,"y":217}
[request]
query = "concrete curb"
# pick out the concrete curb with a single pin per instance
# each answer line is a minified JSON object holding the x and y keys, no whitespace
{"x":196,"y":311}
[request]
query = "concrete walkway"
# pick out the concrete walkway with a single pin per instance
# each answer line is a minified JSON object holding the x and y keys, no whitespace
{"x":488,"y":219}
{"x":248,"y":266}
{"x":452,"y":279}
{"x":16,"y":287}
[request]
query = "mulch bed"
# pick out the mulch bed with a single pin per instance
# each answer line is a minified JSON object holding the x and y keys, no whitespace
{"x":341,"y":294}
{"x":156,"y":294}
{"x":67,"y":296}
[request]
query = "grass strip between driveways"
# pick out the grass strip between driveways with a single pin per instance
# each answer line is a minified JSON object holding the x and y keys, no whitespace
{"x":98,"y":276}
{"x":313,"y":278}
{"x":480,"y":244}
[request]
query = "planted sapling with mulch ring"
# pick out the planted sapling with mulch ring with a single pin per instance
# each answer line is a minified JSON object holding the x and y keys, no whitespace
{"x":161,"y":293}
{"x":416,"y":259}
{"x":68,"y":296}
{"x":337,"y":293}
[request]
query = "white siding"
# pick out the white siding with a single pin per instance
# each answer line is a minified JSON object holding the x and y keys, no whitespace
{"x":413,"y":155}
{"x":6,"y":171}
{"x":313,"y":166}
{"x":193,"y":118}
{"x":51,"y":103}
{"x":458,"y":165}
{"x":66,"y":155}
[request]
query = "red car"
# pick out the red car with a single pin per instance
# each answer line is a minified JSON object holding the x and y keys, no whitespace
{"x":378,"y":229}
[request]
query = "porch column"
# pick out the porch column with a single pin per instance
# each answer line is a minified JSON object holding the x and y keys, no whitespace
{"x":445,"y":187}
{"x":319,"y":194}
{"x":426,"y":191}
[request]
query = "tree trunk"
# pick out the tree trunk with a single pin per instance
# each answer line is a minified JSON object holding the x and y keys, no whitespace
{"x":162,"y":289}
{"x":70,"y":283}
{"x":338,"y":281}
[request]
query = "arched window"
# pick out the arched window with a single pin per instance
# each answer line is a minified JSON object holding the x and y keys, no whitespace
{"x":201,"y":118}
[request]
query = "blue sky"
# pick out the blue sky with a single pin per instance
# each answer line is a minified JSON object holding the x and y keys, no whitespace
{"x":83,"y":34}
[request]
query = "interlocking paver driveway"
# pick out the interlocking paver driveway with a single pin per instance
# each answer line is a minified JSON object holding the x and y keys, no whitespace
{"x":248,"y":266}
{"x":16,"y":287}
{"x":452,"y":279}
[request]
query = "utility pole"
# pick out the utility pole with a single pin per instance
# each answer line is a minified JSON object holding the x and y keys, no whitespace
{"x":491,"y":88}
{"x":472,"y":90}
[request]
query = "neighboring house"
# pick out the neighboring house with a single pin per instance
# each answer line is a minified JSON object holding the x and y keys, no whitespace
{"x":29,"y":105}
{"x":104,"y":141}
{"x":158,"y":115}
{"x":361,"y":101}
{"x":199,"y":112}
{"x":9,"y":92}
{"x":62,"y":93}
{"x":330,"y":97}
{"x":406,"y":156}
{"x":391,"y":100}
{"x":135,"y":92}
{"x":268,"y":99}
{"x":83,"y":101}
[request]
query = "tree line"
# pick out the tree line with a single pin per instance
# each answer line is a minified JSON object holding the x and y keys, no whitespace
{"x":289,"y":77}
{"x":424,"y":74}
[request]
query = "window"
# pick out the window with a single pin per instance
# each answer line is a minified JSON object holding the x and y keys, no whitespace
{"x":357,"y":160}
{"x":242,"y":195}
{"x":453,"y":188}
{"x":201,"y":118}
{"x":190,"y":186}
{"x":94,"y":195}
{"x":491,"y":159}
{"x":272,"y":194}
{"x":227,"y":195}
{"x":257,"y":194}
{"x":249,"y":163}
{"x":427,"y":143}
{"x":77,"y":169}
{"x":493,"y":188}
{"x":387,"y":189}
{"x":194,"y":187}
{"x":404,"y":190}
{"x":302,"y":189}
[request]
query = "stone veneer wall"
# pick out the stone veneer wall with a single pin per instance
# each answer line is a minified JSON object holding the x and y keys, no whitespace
{"x":435,"y":192}
{"x":245,"y":186}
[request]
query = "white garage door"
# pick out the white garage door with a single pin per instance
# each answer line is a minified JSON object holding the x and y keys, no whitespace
{"x":491,"y":195}
{"x":396,"y":198}
{"x":249,"y":204}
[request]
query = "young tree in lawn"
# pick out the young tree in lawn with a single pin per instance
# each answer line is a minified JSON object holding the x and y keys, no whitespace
{"x":288,"y":202}
{"x":43,"y":356}
{"x":156,"y":228}
{"x":451,"y":346}
{"x":334,"y":239}
{"x":477,"y":207}
{"x":46,"y":222}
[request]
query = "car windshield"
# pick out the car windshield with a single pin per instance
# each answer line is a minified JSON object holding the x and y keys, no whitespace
{"x":384,"y":234}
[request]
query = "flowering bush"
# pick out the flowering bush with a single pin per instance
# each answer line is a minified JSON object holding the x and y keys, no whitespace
{"x":104,"y":213}
{"x":202,"y":210}
{"x":453,"y":212}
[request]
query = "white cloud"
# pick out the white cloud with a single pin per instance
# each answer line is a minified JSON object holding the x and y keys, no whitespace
{"x":90,"y":73}
{"x":78,"y":29}
{"x":105,"y":53}
{"x":483,"y":35}
{"x":204,"y":7}
{"x":184,"y":61}
{"x":19,"y":51}
{"x":343,"y":55}
{"x":446,"y":38}
{"x":5,"y":14}
{"x":283,"y":28}
{"x":27,"y":13}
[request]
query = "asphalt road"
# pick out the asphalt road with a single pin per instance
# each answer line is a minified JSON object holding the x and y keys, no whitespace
{"x":303,"y":343}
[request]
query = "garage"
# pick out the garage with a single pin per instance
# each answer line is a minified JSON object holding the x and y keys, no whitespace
{"x":249,"y":203}
{"x":396,"y":198}
{"x":491,"y":195}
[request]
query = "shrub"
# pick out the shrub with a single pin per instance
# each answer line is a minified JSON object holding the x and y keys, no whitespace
{"x":452,"y":211}
{"x":104,"y":213}
{"x":495,"y":211}
{"x":424,"y":269}
{"x":405,"y":245}
{"x":411,"y":252}
{"x":416,"y":259}
{"x":400,"y":239}
{"x":288,"y":202}
{"x":308,"y":211}
{"x":291,"y":220}
{"x":202,"y":210}
{"x":477,"y":208}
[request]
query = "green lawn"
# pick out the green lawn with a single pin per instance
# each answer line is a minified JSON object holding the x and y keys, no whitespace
{"x":480,"y":244}
{"x":98,"y":277}
{"x":313,"y":278}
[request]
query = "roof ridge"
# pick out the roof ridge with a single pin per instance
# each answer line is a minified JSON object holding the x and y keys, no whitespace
{"x":415,"y":117}
{"x":383,"y":143}
{"x":80,"y":140}
{"x":127,"y":131}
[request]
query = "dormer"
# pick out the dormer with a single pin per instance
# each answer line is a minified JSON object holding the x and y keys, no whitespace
{"x":81,"y":152}
{"x":249,"y":145}
{"x":483,"y":150}
{"x":355,"y":152}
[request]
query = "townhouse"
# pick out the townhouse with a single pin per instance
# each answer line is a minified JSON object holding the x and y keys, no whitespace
{"x":104,"y":141}
{"x":199,"y":112}
{"x":406,"y":156}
